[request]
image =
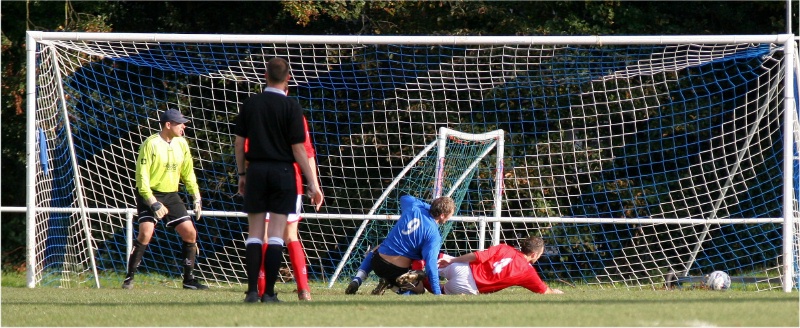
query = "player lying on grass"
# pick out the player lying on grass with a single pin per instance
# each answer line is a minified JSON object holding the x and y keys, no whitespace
{"x":496,"y":268}
{"x":483,"y":272}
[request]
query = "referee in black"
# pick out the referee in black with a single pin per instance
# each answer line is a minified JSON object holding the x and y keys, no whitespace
{"x":273,"y":125}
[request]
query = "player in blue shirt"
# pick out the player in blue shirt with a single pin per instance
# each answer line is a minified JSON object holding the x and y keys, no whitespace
{"x":414,"y":237}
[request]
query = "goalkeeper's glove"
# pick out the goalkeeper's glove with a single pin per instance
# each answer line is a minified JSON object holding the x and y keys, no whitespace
{"x":198,"y":206}
{"x":158,"y":209}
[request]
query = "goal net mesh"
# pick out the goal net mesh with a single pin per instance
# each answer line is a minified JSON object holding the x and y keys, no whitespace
{"x":604,"y":145}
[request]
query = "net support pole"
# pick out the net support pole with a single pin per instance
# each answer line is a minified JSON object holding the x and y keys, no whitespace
{"x":796,"y":183}
{"x":30,"y":170}
{"x":788,"y":166}
{"x":77,"y":172}
{"x":438,"y":184}
{"x":481,"y":233}
{"x":498,"y":187}
{"x":128,"y":236}
{"x":788,"y":16}
{"x":762,"y":113}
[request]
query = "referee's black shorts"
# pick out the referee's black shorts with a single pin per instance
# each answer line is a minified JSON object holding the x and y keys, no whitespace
{"x":270,"y":187}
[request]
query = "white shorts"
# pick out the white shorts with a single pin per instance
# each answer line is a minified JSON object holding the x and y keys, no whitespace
{"x":293,"y":217}
{"x":459,"y":279}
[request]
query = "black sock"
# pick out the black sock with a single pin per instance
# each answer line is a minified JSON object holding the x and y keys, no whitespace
{"x":272,"y":264}
{"x":189,"y":256}
{"x":252,"y":265}
{"x":136,"y":257}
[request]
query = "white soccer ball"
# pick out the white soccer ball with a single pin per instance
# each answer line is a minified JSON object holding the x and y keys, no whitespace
{"x":718,"y":280}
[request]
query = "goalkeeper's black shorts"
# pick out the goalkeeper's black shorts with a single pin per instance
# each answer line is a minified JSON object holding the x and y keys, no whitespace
{"x":171,"y":200}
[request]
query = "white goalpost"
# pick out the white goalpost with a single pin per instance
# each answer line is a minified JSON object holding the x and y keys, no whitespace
{"x":634,"y":157}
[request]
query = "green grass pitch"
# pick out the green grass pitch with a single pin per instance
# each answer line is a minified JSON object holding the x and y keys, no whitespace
{"x":586,"y":306}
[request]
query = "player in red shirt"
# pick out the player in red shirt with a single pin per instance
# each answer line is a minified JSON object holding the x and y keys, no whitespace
{"x":495,"y":268}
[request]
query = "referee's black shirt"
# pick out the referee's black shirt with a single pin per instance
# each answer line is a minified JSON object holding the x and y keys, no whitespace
{"x":273,"y":123}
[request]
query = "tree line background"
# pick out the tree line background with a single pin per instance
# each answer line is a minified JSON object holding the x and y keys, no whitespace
{"x":334,"y":17}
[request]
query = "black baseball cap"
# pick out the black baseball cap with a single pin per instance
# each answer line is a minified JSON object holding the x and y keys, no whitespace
{"x":172,"y":115}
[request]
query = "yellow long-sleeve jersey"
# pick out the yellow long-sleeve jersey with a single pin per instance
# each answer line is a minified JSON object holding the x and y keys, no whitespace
{"x":162,"y":165}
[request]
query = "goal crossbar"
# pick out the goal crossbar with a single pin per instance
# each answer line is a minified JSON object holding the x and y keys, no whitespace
{"x":409,"y":39}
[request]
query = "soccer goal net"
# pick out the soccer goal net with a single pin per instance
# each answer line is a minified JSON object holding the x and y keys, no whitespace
{"x":635,"y":158}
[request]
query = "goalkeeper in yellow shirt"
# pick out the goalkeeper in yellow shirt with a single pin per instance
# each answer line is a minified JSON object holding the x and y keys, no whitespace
{"x":164,"y":160}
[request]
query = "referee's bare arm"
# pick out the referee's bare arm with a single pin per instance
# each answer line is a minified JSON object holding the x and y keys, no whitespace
{"x":300,"y":156}
{"x":238,"y":149}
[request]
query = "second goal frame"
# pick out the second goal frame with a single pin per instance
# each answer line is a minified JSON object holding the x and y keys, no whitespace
{"x":488,"y":142}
